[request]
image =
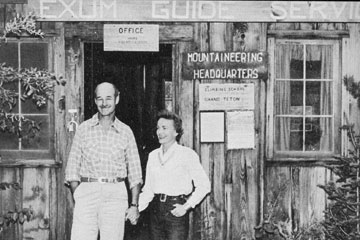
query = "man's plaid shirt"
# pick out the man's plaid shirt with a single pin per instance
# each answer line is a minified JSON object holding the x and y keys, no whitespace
{"x":96,"y":153}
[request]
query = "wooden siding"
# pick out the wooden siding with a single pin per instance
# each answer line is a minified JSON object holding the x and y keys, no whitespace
{"x":232,"y":209}
{"x":292,"y":196}
{"x":243,"y":183}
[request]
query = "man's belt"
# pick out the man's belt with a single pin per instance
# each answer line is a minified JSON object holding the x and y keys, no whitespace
{"x":102,"y":179}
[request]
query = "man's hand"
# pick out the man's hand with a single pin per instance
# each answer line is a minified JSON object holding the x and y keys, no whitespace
{"x":132,"y":214}
{"x":73,"y":186}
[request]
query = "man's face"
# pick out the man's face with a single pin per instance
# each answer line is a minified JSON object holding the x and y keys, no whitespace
{"x":105,"y":99}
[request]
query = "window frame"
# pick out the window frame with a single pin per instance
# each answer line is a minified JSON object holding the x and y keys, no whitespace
{"x":45,"y":155}
{"x":271,"y":153}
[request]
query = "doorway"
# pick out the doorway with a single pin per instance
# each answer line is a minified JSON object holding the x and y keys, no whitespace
{"x":144,"y":80}
{"x":141,"y":78}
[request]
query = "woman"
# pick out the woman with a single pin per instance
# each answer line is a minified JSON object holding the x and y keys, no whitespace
{"x":175,"y":182}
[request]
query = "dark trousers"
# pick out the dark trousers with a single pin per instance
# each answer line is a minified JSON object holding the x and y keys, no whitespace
{"x":164,"y":225}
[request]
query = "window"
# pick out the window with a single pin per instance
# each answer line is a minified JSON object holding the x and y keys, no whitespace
{"x":26,"y":54}
{"x":305,"y":107}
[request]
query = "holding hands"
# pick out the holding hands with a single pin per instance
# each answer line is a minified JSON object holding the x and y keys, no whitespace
{"x":132,"y":214}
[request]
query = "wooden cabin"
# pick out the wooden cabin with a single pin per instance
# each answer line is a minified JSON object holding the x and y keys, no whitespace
{"x":258,"y":84}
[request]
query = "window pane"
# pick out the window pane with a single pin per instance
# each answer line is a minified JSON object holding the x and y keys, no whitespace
{"x":8,"y":141}
{"x":29,"y":106}
{"x":34,"y":55}
{"x":13,"y":86}
{"x":318,"y":134}
{"x":42,"y":140}
{"x":289,"y":61}
{"x":319,"y":64}
{"x":9,"y":54}
{"x":289,"y":97}
{"x":296,"y":134}
{"x":313,"y":98}
{"x":288,"y":134}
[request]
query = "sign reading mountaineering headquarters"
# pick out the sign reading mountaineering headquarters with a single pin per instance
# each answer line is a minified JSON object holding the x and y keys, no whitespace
{"x":195,"y":11}
{"x":224,"y":65}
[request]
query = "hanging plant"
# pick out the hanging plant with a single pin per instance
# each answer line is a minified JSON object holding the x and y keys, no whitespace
{"x":21,"y":25}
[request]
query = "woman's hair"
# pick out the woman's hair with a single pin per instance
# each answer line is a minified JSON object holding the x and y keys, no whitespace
{"x":177,"y":121}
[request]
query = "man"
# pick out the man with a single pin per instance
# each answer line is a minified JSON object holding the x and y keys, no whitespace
{"x":102,"y":155}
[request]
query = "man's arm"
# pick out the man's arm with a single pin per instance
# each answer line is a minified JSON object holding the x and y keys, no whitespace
{"x":133,"y":211}
{"x":135,"y":191}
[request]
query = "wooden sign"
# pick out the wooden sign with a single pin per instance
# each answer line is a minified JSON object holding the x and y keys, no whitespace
{"x":131,"y":37}
{"x":224,"y":65}
{"x":195,"y":11}
{"x":230,"y":96}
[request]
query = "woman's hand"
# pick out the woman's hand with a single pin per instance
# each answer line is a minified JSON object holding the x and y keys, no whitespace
{"x":180,"y":210}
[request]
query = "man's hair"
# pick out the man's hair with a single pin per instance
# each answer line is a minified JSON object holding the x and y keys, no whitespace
{"x":115,"y":89}
{"x":177,"y":121}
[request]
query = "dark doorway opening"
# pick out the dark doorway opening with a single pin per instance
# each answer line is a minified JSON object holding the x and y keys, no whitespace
{"x":141,"y":78}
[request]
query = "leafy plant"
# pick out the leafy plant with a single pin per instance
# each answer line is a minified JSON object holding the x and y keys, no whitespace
{"x":15,"y":216}
{"x":342,"y":216}
{"x":352,"y":87}
{"x":276,"y":225}
{"x":23,"y":24}
{"x":36,"y":85}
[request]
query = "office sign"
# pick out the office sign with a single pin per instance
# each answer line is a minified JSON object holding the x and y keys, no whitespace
{"x":131,"y":37}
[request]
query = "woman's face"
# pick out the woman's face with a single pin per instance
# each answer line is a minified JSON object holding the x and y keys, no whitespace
{"x":166,"y":131}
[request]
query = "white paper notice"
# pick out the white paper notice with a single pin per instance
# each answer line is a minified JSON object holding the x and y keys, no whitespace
{"x":240,"y":130}
{"x":230,"y":96}
{"x":212,"y":126}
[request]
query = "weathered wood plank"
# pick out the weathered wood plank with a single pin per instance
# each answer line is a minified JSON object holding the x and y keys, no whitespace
{"x":210,"y":11}
{"x":61,"y":196}
{"x":36,"y":195}
{"x":353,"y":70}
{"x":216,"y":154}
{"x":30,"y":163}
{"x":186,"y":94}
{"x":10,"y":200}
{"x":277,"y":205}
{"x":241,"y":223}
{"x":200,"y":214}
{"x":260,"y":126}
{"x":312,"y":200}
{"x":73,"y":90}
{"x":209,"y":215}
{"x":346,"y":71}
{"x":308,"y":34}
{"x":248,"y":37}
{"x":95,"y":31}
{"x":2,"y":16}
{"x":53,"y":201}
{"x":304,"y":26}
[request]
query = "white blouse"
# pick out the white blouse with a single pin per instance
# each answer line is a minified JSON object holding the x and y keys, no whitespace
{"x":174,"y":173}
